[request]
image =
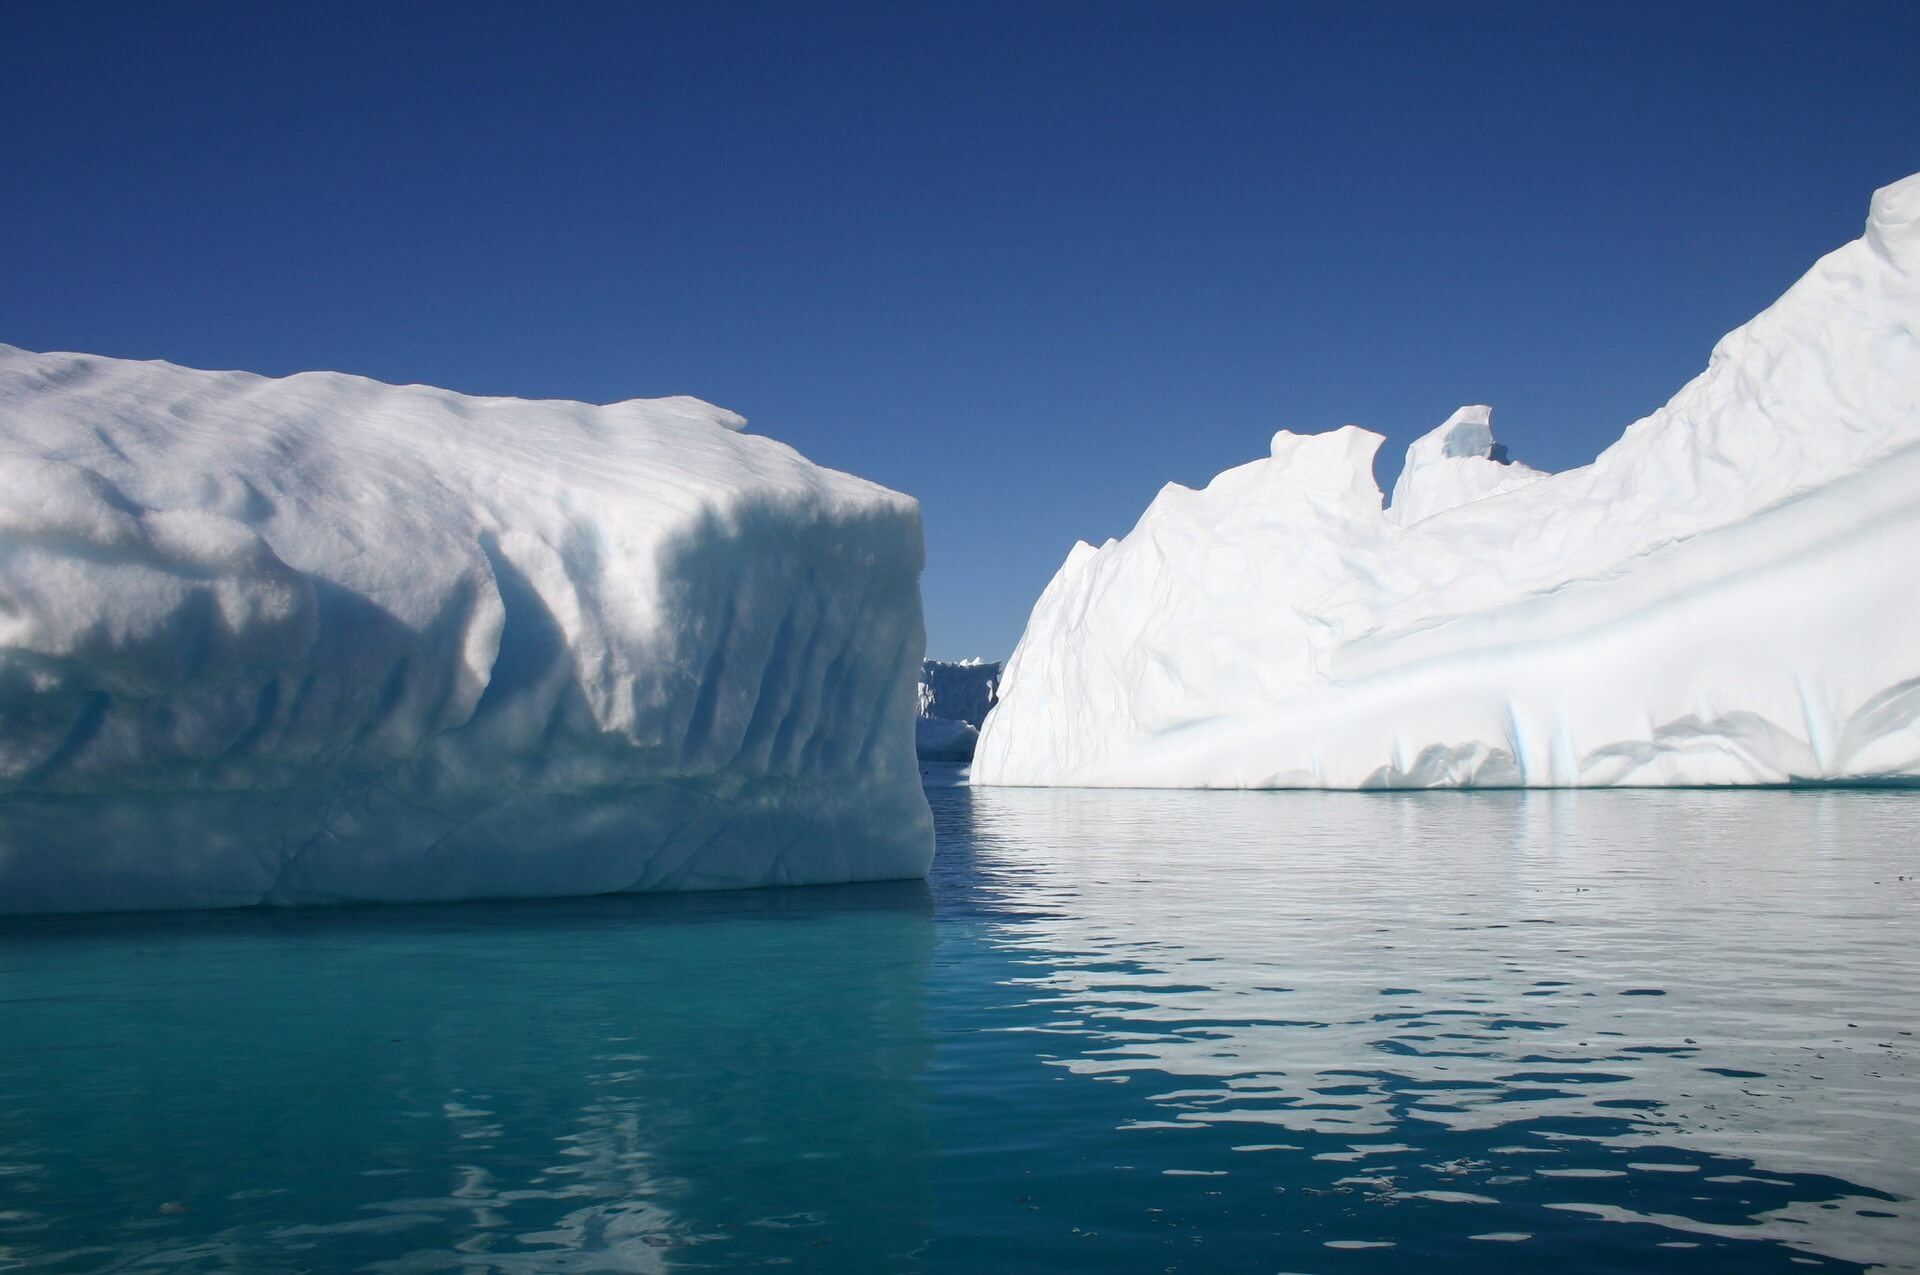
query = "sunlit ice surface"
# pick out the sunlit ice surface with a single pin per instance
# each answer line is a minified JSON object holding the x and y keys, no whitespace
{"x":1117,"y":1031}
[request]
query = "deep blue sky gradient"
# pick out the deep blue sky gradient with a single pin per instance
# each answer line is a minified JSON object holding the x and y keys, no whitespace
{"x":1027,"y":262}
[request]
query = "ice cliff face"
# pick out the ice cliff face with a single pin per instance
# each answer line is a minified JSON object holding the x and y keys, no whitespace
{"x":320,"y":639}
{"x":1727,"y":595}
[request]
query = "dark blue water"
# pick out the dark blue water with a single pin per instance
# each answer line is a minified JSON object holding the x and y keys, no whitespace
{"x":1116,"y":1032}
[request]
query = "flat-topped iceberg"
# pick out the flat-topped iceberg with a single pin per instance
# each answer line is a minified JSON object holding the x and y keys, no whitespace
{"x":1727,"y":595}
{"x":321,"y":639}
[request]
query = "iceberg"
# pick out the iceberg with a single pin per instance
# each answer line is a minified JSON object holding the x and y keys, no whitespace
{"x":321,"y":639}
{"x":959,"y":690}
{"x":1726,"y":596}
{"x":955,"y":697}
{"x":944,"y":739}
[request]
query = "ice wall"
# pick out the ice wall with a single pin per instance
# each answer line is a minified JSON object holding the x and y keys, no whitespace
{"x":322,"y":639}
{"x":1727,"y":595}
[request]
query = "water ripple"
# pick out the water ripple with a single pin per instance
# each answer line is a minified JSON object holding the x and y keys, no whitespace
{"x":1119,"y":1032}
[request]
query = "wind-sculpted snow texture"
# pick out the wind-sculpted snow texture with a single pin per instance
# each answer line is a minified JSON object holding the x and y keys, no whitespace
{"x":323,"y":639}
{"x":1727,"y":595}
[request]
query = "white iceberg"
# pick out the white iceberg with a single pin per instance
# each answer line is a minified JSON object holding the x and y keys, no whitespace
{"x":321,"y":639}
{"x":1727,"y":595}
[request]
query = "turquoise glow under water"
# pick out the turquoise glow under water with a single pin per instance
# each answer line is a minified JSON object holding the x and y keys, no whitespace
{"x":1118,"y":1031}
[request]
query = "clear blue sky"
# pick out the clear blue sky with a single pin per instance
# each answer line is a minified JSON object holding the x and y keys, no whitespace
{"x":1027,"y":262}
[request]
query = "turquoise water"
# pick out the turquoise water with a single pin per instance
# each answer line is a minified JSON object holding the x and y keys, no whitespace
{"x":1116,"y":1032}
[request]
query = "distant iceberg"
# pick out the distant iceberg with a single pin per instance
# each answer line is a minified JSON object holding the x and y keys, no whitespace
{"x":1727,"y":595}
{"x":955,"y":697}
{"x":321,"y":639}
{"x":959,"y":690}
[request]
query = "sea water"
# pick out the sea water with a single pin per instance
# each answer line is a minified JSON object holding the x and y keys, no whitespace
{"x":1117,"y":1031}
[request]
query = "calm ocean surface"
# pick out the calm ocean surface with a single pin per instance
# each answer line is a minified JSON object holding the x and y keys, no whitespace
{"x":1118,"y":1031}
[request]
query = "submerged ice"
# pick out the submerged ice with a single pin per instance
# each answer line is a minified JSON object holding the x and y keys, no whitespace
{"x":322,"y":639}
{"x":1727,"y":595}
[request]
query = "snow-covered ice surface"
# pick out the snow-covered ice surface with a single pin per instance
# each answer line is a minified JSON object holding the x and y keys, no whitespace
{"x":321,"y":639}
{"x":1728,"y":595}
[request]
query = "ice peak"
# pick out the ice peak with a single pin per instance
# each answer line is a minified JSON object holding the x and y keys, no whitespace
{"x":1453,"y":464}
{"x":1893,"y":221}
{"x":1466,"y":435}
{"x":1469,"y":432}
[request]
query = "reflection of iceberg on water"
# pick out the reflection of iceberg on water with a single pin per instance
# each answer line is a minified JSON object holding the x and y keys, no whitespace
{"x":633,"y":1083}
{"x":1657,"y":976}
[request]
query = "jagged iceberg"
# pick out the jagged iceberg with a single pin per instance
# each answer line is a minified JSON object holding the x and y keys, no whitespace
{"x":320,"y":639}
{"x":1727,"y":595}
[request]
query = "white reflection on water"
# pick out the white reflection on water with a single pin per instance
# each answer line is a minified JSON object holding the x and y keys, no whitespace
{"x":1706,"y":973}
